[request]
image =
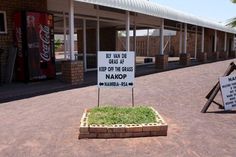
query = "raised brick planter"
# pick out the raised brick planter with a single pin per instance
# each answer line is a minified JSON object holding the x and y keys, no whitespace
{"x":162,"y":61}
{"x":224,"y":55}
{"x":184,"y":59}
{"x":202,"y":57}
{"x":120,"y":130}
{"x":72,"y":72}
{"x":231,"y":54}
{"x":216,"y":55}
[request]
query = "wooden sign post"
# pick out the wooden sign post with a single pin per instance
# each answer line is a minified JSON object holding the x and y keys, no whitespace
{"x":214,"y":91}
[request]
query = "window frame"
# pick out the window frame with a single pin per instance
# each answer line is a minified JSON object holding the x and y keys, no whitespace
{"x":5,"y":22}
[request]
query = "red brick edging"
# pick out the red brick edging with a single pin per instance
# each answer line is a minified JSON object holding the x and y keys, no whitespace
{"x":122,"y":131}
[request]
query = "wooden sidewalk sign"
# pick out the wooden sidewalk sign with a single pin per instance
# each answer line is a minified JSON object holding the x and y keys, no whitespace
{"x":214,"y":91}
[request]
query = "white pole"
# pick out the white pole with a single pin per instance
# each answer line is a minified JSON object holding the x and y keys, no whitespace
{"x":195,"y":55}
{"x":185,"y":38}
{"x":127,"y":31}
{"x":65,"y":32}
{"x":85,"y":45}
{"x":215,"y":45}
{"x":203,"y":39}
{"x":98,"y":31}
{"x":71,"y":30}
{"x":233,"y":44}
{"x":169,"y":42}
{"x":134,"y":37}
{"x":162,"y":37}
{"x":148,"y":40}
{"x":225,"y":44}
{"x":181,"y":39}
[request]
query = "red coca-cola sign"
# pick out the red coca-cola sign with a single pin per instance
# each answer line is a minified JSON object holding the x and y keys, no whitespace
{"x":44,"y":35}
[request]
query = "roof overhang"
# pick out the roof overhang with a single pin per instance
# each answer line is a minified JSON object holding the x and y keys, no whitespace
{"x":156,"y":10}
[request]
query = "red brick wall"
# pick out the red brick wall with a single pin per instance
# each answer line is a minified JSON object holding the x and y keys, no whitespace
{"x":12,"y":6}
{"x":154,"y":44}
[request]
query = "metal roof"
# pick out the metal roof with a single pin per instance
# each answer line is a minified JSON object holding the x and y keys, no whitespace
{"x":157,"y":10}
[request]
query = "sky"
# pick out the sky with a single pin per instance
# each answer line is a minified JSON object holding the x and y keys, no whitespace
{"x":215,"y":10}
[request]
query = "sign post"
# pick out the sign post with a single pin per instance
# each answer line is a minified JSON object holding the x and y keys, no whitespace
{"x":116,"y":70}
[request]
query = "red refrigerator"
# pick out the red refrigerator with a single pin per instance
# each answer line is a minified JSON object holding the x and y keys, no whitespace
{"x":34,"y":39}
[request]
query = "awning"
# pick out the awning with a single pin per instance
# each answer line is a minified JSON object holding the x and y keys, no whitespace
{"x":154,"y":9}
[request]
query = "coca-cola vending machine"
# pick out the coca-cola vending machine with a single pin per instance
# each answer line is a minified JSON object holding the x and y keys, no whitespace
{"x":34,"y":39}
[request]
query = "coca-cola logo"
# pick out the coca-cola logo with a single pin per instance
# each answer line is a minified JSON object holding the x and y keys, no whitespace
{"x":44,"y":35}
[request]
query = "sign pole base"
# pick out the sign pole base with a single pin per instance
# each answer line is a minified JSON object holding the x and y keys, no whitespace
{"x":98,"y":97}
{"x":132,"y":97}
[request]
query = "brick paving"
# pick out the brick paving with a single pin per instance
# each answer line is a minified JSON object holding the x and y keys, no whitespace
{"x":19,"y":90}
{"x":48,"y":125}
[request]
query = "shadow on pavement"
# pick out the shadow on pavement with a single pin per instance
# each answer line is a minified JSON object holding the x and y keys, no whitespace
{"x":17,"y":91}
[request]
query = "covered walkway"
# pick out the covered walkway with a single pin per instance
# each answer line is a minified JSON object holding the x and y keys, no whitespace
{"x":99,"y":23}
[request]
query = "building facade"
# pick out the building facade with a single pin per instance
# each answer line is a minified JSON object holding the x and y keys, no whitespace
{"x":97,"y":24}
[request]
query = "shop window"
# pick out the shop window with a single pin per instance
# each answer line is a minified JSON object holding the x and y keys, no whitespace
{"x":3,"y":22}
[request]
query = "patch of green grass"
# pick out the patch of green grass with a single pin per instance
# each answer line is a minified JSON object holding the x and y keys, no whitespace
{"x":121,"y":115}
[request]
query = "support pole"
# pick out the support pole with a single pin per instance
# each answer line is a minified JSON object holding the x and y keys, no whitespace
{"x":65,"y":34}
{"x":134,"y":36}
{"x":162,"y":37}
{"x":98,"y":97}
{"x":225,"y":43}
{"x":134,"y":41}
{"x":215,"y":45}
{"x":148,"y":40}
{"x":180,"y":39}
{"x":85,"y":45}
{"x":98,"y":32}
{"x":203,"y":39}
{"x":132,"y":97}
{"x":127,"y":31}
{"x":233,"y":43}
{"x":185,"y":38}
{"x":71,"y":30}
{"x":195,"y":55}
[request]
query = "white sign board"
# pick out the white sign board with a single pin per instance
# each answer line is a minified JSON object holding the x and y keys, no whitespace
{"x":116,"y":69}
{"x":228,"y":90}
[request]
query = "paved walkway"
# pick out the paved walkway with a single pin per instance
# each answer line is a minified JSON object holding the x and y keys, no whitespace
{"x":19,"y":90}
{"x":48,"y":125}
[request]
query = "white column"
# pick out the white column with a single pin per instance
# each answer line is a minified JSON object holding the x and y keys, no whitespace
{"x":180,"y":39}
{"x":203,"y":39}
{"x":148,"y":42}
{"x":65,"y":34}
{"x":71,"y":30}
{"x":134,"y":37}
{"x":233,"y":44}
{"x":98,"y":34}
{"x":162,"y":37}
{"x":225,"y":43}
{"x":195,"y":55}
{"x":85,"y":45}
{"x":127,"y":31}
{"x":215,"y":45}
{"x":185,"y":38}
